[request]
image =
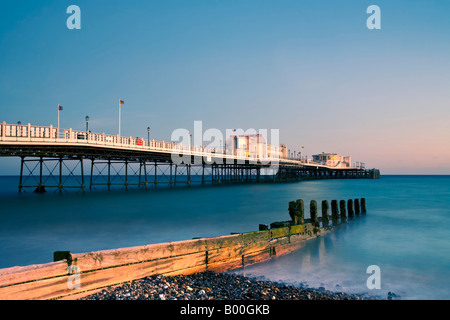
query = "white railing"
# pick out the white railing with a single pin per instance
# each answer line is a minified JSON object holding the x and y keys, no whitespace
{"x":36,"y":134}
{"x":28,"y":133}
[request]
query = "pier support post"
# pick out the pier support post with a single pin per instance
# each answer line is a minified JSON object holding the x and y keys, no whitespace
{"x":145,"y":174}
{"x":40,"y":188}
{"x":203,"y":173}
{"x":91,"y":182}
{"x":140,"y":173}
{"x":21,"y":173}
{"x":126,"y":174}
{"x":60,"y":185}
{"x":175,"y":176}
{"x":156,"y":173}
{"x":82,"y":174}
{"x":188,"y":167}
{"x":109,"y":173}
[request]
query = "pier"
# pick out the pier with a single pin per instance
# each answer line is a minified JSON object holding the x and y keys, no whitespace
{"x":65,"y":158}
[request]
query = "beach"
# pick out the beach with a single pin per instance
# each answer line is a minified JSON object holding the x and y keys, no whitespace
{"x":217,"y":286}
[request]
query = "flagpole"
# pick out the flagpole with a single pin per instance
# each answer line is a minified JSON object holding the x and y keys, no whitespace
{"x":57,"y":133}
{"x":119,"y":116}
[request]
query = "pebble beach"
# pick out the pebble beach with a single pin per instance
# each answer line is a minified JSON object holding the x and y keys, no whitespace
{"x":215,"y":286}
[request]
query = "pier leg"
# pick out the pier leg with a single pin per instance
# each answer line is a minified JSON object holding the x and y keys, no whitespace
{"x":203,"y":173}
{"x":109,"y":174}
{"x":60,"y":186}
{"x":92,"y":171}
{"x":145,"y":174}
{"x":188,"y":167}
{"x":175,"y":177}
{"x":21,"y":173}
{"x":140,"y":173}
{"x":40,"y":188}
{"x":156,"y":173}
{"x":82,"y":174}
{"x":126,"y":174}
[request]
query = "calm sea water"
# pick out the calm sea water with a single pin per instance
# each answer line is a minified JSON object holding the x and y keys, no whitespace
{"x":405,"y":232}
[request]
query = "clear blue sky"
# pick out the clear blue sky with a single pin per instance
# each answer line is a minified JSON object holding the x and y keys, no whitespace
{"x":309,"y":68}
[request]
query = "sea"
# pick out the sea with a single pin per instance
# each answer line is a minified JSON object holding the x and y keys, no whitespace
{"x":405,"y":233}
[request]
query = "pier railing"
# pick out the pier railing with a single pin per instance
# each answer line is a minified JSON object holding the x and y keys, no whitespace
{"x":49,"y":134}
{"x":52,"y":135}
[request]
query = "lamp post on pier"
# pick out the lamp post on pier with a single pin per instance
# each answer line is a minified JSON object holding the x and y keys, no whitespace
{"x":148,"y":135}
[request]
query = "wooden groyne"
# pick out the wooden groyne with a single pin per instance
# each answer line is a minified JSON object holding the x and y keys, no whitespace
{"x":72,"y":276}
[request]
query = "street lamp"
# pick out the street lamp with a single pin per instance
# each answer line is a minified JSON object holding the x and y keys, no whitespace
{"x":148,"y":135}
{"x":87,"y":124}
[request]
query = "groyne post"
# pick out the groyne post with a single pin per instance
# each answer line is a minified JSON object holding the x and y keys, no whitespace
{"x":334,"y":211}
{"x":292,"y":208}
{"x":357,"y":207}
{"x":300,"y":211}
{"x":351,"y":212}
{"x":297,"y":211}
{"x":325,"y":213}
{"x":363,"y":205}
{"x":343,"y":210}
{"x":313,"y":213}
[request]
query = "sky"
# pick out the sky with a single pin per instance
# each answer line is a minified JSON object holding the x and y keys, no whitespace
{"x":311,"y":69}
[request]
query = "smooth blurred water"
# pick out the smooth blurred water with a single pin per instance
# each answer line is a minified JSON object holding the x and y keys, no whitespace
{"x":405,"y":231}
